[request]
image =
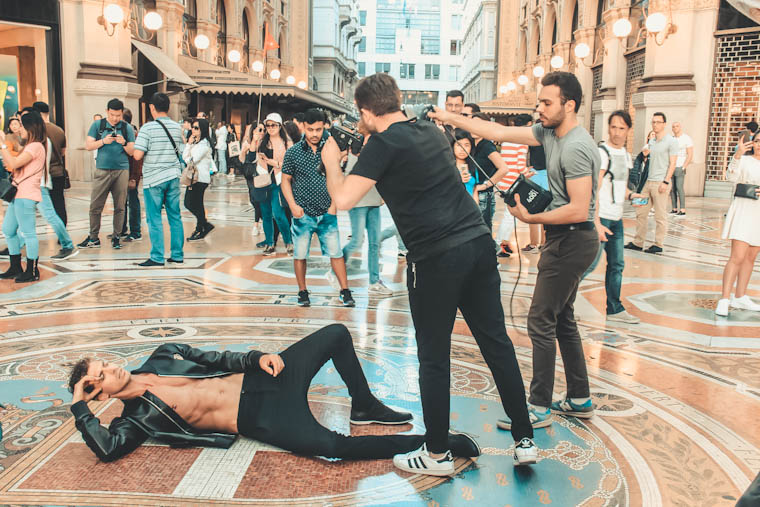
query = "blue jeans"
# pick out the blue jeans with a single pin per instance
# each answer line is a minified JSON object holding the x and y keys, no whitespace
{"x":613,"y":278}
{"x":326,"y":228}
{"x":272,"y":209}
{"x":487,"y":205}
{"x":221,"y":161}
{"x":48,"y":211}
{"x":366,"y":217}
{"x":164,"y":194}
{"x":391,"y":231}
{"x":20,"y":218}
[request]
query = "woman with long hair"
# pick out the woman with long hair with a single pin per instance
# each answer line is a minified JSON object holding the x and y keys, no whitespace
{"x":741,"y":228}
{"x":247,"y":156}
{"x":199,"y":150}
{"x":270,"y":147}
{"x":27,"y":170}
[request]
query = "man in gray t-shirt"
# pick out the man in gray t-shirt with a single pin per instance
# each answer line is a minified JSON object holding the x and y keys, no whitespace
{"x":573,"y":162}
{"x":663,"y":152}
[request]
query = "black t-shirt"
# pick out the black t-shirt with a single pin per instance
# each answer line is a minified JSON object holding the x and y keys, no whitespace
{"x":417,"y":177}
{"x":480,"y":153}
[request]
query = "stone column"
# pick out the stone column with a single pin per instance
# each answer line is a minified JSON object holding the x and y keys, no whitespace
{"x":612,"y":93}
{"x":209,"y":30}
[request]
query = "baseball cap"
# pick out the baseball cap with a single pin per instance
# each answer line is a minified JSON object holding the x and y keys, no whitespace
{"x":275,"y":117}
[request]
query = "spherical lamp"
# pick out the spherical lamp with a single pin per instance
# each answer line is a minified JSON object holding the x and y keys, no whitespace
{"x":523,"y":79}
{"x":538,"y":71}
{"x":622,"y":28}
{"x":233,"y":56}
{"x":201,"y":41}
{"x":275,"y":74}
{"x":291,"y":80}
{"x":153,"y":21}
{"x":113,"y":14}
{"x":302,"y":85}
{"x":503,"y":89}
{"x":258,"y":66}
{"x":582,"y":50}
{"x":656,"y":22}
{"x":511,"y":86}
{"x":557,"y":62}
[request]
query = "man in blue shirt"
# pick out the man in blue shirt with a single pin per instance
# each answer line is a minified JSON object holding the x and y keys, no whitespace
{"x":160,"y":142}
{"x":114,"y":140}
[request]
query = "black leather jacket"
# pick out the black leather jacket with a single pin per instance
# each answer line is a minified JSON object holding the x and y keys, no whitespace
{"x":148,"y":416}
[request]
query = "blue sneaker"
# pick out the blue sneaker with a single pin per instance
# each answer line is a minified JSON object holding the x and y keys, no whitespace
{"x":538,"y":419}
{"x":567,"y":407}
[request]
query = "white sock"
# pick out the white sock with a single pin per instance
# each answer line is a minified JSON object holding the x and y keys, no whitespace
{"x":579,"y":401}
{"x":538,"y":408}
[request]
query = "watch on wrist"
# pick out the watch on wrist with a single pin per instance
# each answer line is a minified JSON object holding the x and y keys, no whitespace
{"x":666,"y":182}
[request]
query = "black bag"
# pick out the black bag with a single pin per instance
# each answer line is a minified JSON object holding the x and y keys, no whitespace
{"x":7,"y":189}
{"x":746,"y":191}
{"x":249,"y":170}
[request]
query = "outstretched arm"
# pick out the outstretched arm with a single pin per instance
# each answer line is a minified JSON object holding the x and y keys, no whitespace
{"x":235,"y":362}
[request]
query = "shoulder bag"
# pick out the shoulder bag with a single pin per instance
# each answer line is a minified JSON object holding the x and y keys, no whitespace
{"x":746,"y":191}
{"x":8,"y":187}
{"x":174,"y":145}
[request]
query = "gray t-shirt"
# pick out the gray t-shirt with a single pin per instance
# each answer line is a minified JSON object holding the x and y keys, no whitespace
{"x":574,"y":155}
{"x":659,"y":156}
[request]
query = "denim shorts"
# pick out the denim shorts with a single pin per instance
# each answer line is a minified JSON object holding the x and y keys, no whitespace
{"x":326,"y":228}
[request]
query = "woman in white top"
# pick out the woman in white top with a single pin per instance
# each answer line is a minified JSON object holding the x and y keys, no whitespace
{"x":199,"y":150}
{"x":741,"y":228}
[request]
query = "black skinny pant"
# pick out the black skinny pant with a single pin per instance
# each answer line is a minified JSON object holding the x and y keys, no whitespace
{"x":465,"y":277}
{"x":194,"y":203}
{"x":275,"y":410}
{"x":56,"y":195}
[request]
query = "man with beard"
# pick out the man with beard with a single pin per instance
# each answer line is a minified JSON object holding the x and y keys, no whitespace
{"x":573,"y":162}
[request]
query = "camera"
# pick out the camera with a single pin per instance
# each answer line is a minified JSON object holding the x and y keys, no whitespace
{"x":418,"y":111}
{"x":533,"y":196}
{"x":347,"y":137}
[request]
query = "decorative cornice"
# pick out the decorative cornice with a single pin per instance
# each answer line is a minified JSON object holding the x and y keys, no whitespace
{"x":668,"y":83}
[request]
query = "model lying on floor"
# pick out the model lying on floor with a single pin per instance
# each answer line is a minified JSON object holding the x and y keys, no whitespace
{"x":185,"y":396}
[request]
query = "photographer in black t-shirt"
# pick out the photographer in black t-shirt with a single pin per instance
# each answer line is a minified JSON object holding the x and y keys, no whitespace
{"x":451,"y":261}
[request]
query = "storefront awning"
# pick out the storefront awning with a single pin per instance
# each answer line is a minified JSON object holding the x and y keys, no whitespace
{"x":246,"y":89}
{"x":162,"y":61}
{"x":510,"y":106}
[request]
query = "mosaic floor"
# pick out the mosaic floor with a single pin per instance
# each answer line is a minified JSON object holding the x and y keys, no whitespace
{"x":677,"y":395}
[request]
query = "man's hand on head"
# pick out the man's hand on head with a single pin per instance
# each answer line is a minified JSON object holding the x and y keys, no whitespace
{"x":272,"y":364}
{"x":80,"y":394}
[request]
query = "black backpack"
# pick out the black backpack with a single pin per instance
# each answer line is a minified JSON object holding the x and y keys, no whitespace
{"x":104,"y":126}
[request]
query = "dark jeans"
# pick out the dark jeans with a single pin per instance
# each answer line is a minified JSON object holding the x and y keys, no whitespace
{"x":751,"y":497}
{"x":133,"y":212}
{"x":464,"y":278}
{"x":487,"y":205}
{"x":275,"y":410}
{"x":194,"y":203}
{"x":677,"y":193}
{"x":564,"y":258}
{"x":613,"y":278}
{"x":56,"y":195}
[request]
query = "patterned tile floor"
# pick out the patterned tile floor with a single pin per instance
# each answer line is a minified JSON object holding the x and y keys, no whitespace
{"x":677,"y":395}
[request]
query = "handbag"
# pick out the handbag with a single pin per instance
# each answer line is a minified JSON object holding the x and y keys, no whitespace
{"x":233,"y":148}
{"x":7,"y":189}
{"x":746,"y":191}
{"x":263,"y":180}
{"x":189,"y":175}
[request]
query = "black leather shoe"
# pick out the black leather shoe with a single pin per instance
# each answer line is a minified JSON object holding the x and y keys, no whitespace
{"x":653,"y":249}
{"x":149,"y":263}
{"x":174,"y":261}
{"x":379,"y":414}
{"x":463,"y":445}
{"x":632,"y":246}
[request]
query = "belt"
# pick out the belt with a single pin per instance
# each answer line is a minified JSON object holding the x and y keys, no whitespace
{"x":582,"y":226}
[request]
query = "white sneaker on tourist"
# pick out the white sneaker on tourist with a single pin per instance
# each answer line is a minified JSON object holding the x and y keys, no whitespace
{"x":333,"y":279}
{"x":380,"y":289}
{"x":526,"y":452}
{"x":624,"y":317}
{"x":420,"y":462}
{"x":722,"y":309}
{"x":745,"y":303}
{"x":256,"y":229}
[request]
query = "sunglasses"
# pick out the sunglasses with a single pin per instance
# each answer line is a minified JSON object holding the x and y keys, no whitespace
{"x":272,"y":125}
{"x":196,"y":127}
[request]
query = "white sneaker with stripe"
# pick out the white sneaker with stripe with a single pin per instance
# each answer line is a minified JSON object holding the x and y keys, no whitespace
{"x":420,"y":462}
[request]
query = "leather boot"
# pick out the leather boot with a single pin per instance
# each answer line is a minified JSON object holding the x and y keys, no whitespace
{"x":32,"y":273}
{"x":14,"y":269}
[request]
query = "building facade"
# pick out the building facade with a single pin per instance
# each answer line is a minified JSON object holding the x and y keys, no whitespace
{"x":479,"y":50}
{"x":418,"y":42}
{"x":335,"y":47}
{"x":207,"y":55}
{"x":699,"y":64}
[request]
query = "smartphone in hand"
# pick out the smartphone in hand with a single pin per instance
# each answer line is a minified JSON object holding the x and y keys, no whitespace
{"x":640,"y":201}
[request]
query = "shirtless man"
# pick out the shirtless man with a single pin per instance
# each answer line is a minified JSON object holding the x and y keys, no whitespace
{"x":185,"y":396}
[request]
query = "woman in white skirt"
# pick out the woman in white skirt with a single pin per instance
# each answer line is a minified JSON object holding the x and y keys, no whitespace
{"x":742,"y":229}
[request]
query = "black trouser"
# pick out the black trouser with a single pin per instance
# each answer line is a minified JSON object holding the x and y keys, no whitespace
{"x":194,"y":203}
{"x":56,"y":195}
{"x":133,"y":212}
{"x":464,"y":277}
{"x":275,"y":410}
{"x":551,"y":320}
{"x":751,"y":497}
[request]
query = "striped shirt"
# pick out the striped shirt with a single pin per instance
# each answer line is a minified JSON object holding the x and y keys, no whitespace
{"x":516,"y":156}
{"x":160,"y":162}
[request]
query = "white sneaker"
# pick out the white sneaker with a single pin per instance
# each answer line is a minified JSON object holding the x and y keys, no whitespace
{"x":744,"y":303}
{"x":722,"y":309}
{"x":624,"y":317}
{"x":256,"y":229}
{"x":380,"y":289}
{"x":333,"y":280}
{"x":420,"y":462}
{"x":526,"y":452}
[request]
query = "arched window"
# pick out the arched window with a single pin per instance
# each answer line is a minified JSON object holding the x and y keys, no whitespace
{"x":554,"y":33}
{"x":574,"y":24}
{"x":602,"y":6}
{"x":263,"y":33}
{"x":189,"y":28}
{"x":279,"y":49}
{"x":538,"y":33}
{"x":246,"y":42}
{"x":221,"y":35}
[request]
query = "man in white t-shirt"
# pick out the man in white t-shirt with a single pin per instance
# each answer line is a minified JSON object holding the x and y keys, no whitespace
{"x":613,"y":192}
{"x":685,"y":154}
{"x":221,"y":147}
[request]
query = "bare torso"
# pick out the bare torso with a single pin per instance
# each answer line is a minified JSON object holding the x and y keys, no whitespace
{"x":209,"y":404}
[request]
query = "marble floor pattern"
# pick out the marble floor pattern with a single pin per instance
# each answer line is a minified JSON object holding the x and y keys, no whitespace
{"x":677,"y":395}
